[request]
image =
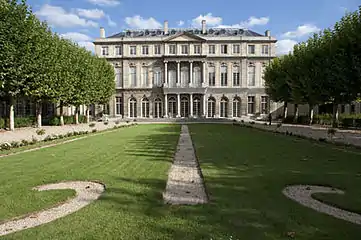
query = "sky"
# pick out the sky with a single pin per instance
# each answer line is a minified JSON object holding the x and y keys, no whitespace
{"x":290,"y":21}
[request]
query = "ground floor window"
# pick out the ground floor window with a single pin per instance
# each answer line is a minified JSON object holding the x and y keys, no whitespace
{"x":184,"y":107}
{"x":224,"y":107}
{"x":264,"y":105}
{"x":119,"y":105}
{"x":172,"y":107}
{"x":211,"y":107}
{"x":236,"y":107}
{"x":145,"y":108}
{"x":158,"y":113}
{"x":251,"y":105}
{"x":133,"y":108}
{"x":197,"y":107}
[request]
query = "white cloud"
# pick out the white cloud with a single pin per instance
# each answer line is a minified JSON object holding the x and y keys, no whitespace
{"x":91,"y":13}
{"x":252,"y":21}
{"x":111,"y":23}
{"x":88,"y":45}
{"x":57,"y":16}
{"x":75,"y":36}
{"x":180,"y":23}
{"x":285,"y":46}
{"x":210,"y":19}
{"x":141,"y":23}
{"x":110,"y":3}
{"x":301,"y":31}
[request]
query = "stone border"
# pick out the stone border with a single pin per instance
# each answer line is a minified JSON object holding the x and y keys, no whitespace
{"x":86,"y":193}
{"x":303,"y":195}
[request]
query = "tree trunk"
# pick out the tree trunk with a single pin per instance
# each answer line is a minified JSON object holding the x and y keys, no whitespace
{"x":311,"y":114}
{"x":61,"y":114}
{"x":11,"y":114}
{"x":38,"y":113}
{"x":285,"y":110}
{"x":295,"y":115}
{"x":335,"y":115}
{"x":76,"y":115}
{"x":87,"y":115}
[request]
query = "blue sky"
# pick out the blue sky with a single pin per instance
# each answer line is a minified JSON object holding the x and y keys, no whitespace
{"x":290,"y":21}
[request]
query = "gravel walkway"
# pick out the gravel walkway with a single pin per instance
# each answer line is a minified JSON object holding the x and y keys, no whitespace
{"x":86,"y":192}
{"x":303,"y":195}
{"x":185,"y":184}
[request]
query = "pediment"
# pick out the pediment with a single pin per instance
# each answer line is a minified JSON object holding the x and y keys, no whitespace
{"x":185,"y":37}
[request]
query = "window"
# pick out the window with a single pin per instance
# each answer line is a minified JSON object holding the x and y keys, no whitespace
{"x":184,"y":49}
{"x":251,"y":49}
{"x":133,"y":108}
{"x":145,"y":50}
{"x":265,"y":49}
{"x":133,"y":50}
{"x":197,"y":49}
{"x":224,"y":107}
{"x":212,"y":49}
{"x":184,"y":76}
{"x":118,"y":79}
{"x":172,"y":107}
{"x":105,"y":51}
{"x":212,"y":76}
{"x":236,"y":49}
{"x":145,"y":108}
{"x":236,"y":107}
{"x":133,"y":76}
{"x":197,"y":76}
{"x":224,"y":49}
{"x":172,"y":78}
{"x":157,"y":77}
{"x":264,"y":105}
{"x":262,"y":76}
{"x":211,"y":107}
{"x":251,"y":105}
{"x":145,"y":76}
{"x":224,"y":76}
{"x":197,"y":107}
{"x":251,"y":76}
{"x":119,"y":105}
{"x":158,"y":113}
{"x":236,"y":76}
{"x":172,"y":49}
{"x":157,"y":49}
{"x":118,"y":50}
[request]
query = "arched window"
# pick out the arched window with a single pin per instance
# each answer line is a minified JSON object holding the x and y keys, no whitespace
{"x":157,"y":77}
{"x":184,"y":76}
{"x":172,"y":107}
{"x":197,"y":76}
{"x":184,"y":107}
{"x":145,"y":108}
{"x":158,"y":109}
{"x":172,"y":78}
{"x":132,"y":107}
{"x":237,"y":107}
{"x":224,"y":107}
{"x":211,"y":107}
{"x":196,"y":106}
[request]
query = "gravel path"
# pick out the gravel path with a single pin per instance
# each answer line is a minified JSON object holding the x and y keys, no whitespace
{"x":185,"y":184}
{"x":303,"y":195}
{"x":86,"y":192}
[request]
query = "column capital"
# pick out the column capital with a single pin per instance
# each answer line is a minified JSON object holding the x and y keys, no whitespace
{"x":178,"y":61}
{"x":191,"y":61}
{"x":165,"y":61}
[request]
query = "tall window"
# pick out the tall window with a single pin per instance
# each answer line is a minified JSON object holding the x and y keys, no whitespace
{"x":251,"y":105}
{"x":172,"y":77}
{"x":212,"y":76}
{"x":184,"y":76}
{"x":133,"y":50}
{"x":158,"y":113}
{"x":265,"y":49}
{"x":212,"y":49}
{"x":157,"y":77}
{"x":224,"y":107}
{"x":184,"y":49}
{"x":236,"y":107}
{"x":197,"y":76}
{"x":118,"y":79}
{"x":173,"y":49}
{"x":224,"y":49}
{"x":262,"y":76}
{"x":197,"y":106}
{"x":157,"y":50}
{"x":172,"y":107}
{"x":105,"y":51}
{"x":133,"y":108}
{"x":197,"y":49}
{"x":118,"y":50}
{"x":119,"y":105}
{"x":264,"y":104}
{"x":251,"y":76}
{"x":133,"y":76}
{"x":236,"y":49}
{"x":145,"y":107}
{"x":145,"y":76}
{"x":251,"y":49}
{"x":211,"y":107}
{"x":236,"y":76}
{"x":145,"y":50}
{"x":224,"y":76}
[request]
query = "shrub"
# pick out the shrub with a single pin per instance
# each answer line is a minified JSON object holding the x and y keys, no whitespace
{"x":69,"y":134}
{"x":54,"y":121}
{"x":127,"y":121}
{"x":252,"y":122}
{"x":24,"y":122}
{"x":40,"y":132}
{"x":25,"y":142}
{"x":106,"y":123}
{"x":322,"y":139}
{"x":2,"y":123}
{"x":92,"y":125}
{"x":279,"y":125}
{"x":134,"y":120}
{"x":242,"y":121}
{"x":94,"y":131}
{"x":47,"y":138}
{"x":323,"y":119}
{"x":34,"y":140}
{"x":15,"y":144}
{"x":331,"y":132}
{"x":117,"y":122}
{"x":5,"y":146}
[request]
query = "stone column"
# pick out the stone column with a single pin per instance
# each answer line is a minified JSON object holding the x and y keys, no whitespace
{"x":204,"y":105}
{"x":166,"y":73}
{"x":191,"y":97}
{"x":179,"y":105}
{"x":166,"y":106}
{"x":178,"y":74}
{"x":191,"y":73}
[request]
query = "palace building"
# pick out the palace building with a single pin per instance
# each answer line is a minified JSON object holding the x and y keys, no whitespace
{"x":188,"y":73}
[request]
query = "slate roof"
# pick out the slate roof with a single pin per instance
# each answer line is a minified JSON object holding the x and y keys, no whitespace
{"x":213,"y":32}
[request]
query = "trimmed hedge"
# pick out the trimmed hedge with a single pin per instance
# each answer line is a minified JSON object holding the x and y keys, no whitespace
{"x":55,"y":121}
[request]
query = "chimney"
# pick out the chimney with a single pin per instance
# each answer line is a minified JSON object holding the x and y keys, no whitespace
{"x":102,"y":32}
{"x":268,"y":33}
{"x":204,"y":27}
{"x":166,"y":29}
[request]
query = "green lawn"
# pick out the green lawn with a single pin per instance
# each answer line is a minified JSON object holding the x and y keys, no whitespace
{"x":245,"y":171}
